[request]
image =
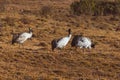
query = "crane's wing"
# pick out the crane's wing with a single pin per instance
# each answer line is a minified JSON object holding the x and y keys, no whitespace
{"x":21,"y":38}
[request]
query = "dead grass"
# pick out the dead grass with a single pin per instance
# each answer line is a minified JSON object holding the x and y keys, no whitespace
{"x":35,"y":60}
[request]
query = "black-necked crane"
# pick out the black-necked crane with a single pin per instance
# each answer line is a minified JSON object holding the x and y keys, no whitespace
{"x":82,"y":42}
{"x":61,"y":42}
{"x":22,"y":37}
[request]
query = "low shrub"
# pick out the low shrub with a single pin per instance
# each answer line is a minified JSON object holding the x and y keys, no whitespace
{"x":46,"y":10}
{"x":93,"y":7}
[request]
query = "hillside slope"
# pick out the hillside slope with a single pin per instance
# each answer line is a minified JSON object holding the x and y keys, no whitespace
{"x":36,"y":61}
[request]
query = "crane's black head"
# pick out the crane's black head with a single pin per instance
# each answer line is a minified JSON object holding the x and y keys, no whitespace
{"x":94,"y":44}
{"x":30,"y":30}
{"x":69,"y":31}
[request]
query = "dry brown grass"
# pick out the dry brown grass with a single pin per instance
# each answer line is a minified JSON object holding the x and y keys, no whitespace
{"x":35,"y":60}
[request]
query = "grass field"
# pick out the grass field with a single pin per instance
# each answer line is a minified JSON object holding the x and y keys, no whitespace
{"x":50,"y":19}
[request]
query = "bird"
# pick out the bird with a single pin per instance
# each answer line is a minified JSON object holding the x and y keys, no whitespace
{"x":61,"y":42}
{"x":82,"y":42}
{"x":22,"y":37}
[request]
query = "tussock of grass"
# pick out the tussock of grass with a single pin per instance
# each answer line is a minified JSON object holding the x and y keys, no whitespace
{"x":25,"y":20}
{"x":3,"y":4}
{"x":10,"y":21}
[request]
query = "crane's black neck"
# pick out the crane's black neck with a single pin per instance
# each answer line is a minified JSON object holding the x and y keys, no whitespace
{"x":69,"y":32}
{"x":30,"y":30}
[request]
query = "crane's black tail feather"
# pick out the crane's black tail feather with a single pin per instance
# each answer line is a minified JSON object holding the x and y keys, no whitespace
{"x":54,"y":44}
